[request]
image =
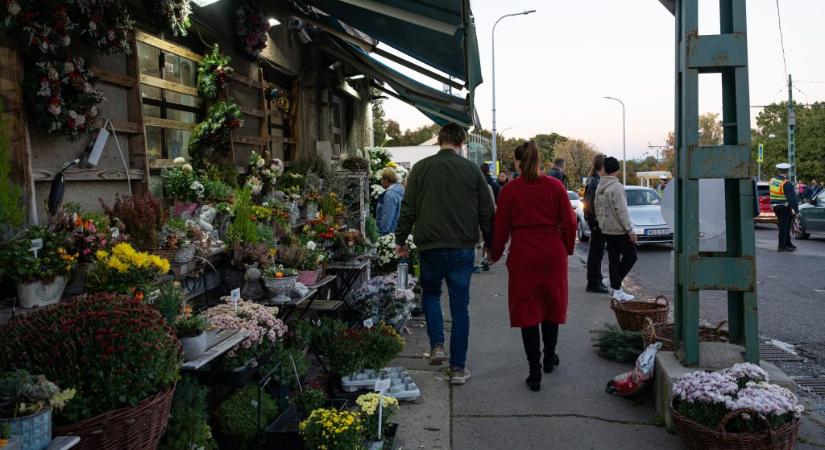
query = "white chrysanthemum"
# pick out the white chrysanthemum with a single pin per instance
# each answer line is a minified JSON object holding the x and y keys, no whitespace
{"x":179,"y":160}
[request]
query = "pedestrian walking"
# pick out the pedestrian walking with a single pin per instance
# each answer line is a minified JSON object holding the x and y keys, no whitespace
{"x":389,"y":208}
{"x":614,"y":222}
{"x":534,"y":214}
{"x":447,"y":203}
{"x":595,"y":253}
{"x":485,"y":170}
{"x":503,"y":178}
{"x":785,"y":205}
{"x":557,"y":172}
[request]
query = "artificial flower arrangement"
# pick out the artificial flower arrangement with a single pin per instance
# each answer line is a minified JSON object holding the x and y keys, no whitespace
{"x":213,"y":73}
{"x":213,"y":132}
{"x":43,"y":28}
{"x":281,"y":99}
{"x":62,"y":96}
{"x":23,"y":394}
{"x":24,"y":265}
{"x":381,"y":299}
{"x":115,"y":351}
{"x":125,"y":270}
{"x":176,"y":13}
{"x":331,"y":429}
{"x":261,"y":321}
{"x":707,"y":397}
{"x":181,"y":183}
{"x":368,"y":405}
{"x":252,"y":26}
{"x":87,"y":233}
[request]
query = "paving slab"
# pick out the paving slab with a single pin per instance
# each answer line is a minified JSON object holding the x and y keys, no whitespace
{"x":425,"y":424}
{"x":541,"y":433}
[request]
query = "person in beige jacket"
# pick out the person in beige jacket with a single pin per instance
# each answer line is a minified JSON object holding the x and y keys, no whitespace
{"x":614,"y":221}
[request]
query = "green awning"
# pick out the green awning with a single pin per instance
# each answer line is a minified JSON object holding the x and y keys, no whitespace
{"x":439,"y":33}
{"x":439,"y":106}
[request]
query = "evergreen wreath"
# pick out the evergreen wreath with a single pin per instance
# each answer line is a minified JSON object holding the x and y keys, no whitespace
{"x":213,"y":73}
{"x":177,"y":14}
{"x":213,"y":133}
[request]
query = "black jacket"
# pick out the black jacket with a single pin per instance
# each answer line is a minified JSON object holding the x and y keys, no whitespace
{"x":494,"y":186}
{"x":590,"y":201}
{"x":558,"y":174}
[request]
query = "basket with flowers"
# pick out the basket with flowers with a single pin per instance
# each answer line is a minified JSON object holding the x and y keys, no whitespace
{"x":332,"y":429}
{"x":125,"y":270}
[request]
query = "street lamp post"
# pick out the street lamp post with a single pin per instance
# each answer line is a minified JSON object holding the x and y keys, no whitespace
{"x":523,"y":13}
{"x":624,"y":141}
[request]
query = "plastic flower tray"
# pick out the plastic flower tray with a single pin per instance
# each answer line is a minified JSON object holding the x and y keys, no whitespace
{"x":402,"y":386}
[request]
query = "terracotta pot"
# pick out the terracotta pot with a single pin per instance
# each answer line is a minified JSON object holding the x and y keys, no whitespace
{"x":38,"y":293}
{"x":309,"y":277}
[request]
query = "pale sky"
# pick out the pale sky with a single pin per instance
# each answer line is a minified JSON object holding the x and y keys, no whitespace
{"x":555,"y":66}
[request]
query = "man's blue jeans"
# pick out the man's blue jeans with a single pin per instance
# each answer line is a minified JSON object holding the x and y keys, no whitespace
{"x":456,"y":266}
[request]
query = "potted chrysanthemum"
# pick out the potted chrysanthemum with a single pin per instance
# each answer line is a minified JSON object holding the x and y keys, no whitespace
{"x":191,"y":330}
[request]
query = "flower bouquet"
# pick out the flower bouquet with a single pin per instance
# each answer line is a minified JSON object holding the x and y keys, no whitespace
{"x":213,"y":73}
{"x":176,"y":13}
{"x":386,"y":259}
{"x":734,"y":408}
{"x":182,"y":184}
{"x":331,"y":429}
{"x":252,"y":26}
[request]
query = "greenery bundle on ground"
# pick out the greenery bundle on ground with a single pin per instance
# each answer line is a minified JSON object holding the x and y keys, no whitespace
{"x":188,"y":426}
{"x":238,"y":415}
{"x":116,"y":351}
{"x":619,"y":345}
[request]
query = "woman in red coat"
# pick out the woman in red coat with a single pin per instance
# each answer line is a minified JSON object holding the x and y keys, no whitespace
{"x":534,"y":213}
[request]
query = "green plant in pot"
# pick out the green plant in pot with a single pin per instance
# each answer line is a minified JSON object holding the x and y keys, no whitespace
{"x":368,"y":404}
{"x":26,"y":404}
{"x":238,"y":415}
{"x":39,"y":264}
{"x":191,"y":330}
{"x":381,"y":344}
{"x":115,"y":351}
{"x":309,"y":400}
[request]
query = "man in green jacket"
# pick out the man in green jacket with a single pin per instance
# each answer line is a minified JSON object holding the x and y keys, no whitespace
{"x":446,"y":203}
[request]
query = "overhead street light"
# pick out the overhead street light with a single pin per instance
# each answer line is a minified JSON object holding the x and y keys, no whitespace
{"x":523,"y":13}
{"x":624,"y":141}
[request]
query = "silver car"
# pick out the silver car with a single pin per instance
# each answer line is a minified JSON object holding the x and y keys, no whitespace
{"x":645,"y":211}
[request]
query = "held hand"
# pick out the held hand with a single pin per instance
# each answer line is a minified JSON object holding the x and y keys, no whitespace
{"x":402,"y":251}
{"x":632,"y":236}
{"x":488,"y":253}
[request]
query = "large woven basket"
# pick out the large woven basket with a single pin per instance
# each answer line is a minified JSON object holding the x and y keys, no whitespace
{"x":631,"y":315}
{"x":135,"y":428}
{"x":699,"y":437}
{"x":663,"y":332}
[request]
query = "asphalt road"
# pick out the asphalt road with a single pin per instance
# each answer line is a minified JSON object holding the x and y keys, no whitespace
{"x":791,"y":286}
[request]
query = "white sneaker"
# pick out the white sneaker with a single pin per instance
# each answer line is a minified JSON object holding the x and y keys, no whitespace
{"x":620,"y":295}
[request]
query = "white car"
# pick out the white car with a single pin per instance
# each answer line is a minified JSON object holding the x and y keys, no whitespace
{"x":578,"y":207}
{"x":645,"y":211}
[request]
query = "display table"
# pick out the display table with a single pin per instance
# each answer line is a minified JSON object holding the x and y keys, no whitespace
{"x":217,"y":345}
{"x":63,"y":443}
{"x":348,"y":273}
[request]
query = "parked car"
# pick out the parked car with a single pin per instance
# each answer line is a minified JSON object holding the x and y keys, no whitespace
{"x":645,"y":211}
{"x":811,"y":217}
{"x":766,"y":214}
{"x":581,"y":225}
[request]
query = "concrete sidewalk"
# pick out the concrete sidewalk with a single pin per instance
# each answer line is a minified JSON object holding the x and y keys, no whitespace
{"x":496,"y":410}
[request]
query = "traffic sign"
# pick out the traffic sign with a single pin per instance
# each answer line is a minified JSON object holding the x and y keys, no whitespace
{"x":760,"y":158}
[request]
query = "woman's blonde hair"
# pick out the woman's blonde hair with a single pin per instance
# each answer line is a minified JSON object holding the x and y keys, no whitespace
{"x":390,"y":175}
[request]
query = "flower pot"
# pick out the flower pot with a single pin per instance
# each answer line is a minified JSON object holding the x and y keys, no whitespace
{"x":311,"y":211}
{"x":38,"y":293}
{"x":185,"y":254}
{"x":309,"y":277}
{"x":34,"y":431}
{"x":193,"y":347}
{"x":15,"y":443}
{"x":182,"y":208}
{"x":77,"y":285}
{"x":280,"y":286}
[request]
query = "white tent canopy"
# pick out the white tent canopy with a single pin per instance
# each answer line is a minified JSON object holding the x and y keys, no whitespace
{"x":646,"y":177}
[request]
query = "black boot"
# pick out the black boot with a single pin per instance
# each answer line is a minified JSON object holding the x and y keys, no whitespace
{"x":550,"y":335}
{"x":531,"y":340}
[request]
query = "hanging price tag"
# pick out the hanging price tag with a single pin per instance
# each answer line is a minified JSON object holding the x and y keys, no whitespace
{"x":235,"y":297}
{"x":368,"y":323}
{"x":37,"y":245}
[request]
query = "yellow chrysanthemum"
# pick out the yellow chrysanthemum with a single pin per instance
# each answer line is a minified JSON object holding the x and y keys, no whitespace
{"x":117,"y":264}
{"x":101,"y":254}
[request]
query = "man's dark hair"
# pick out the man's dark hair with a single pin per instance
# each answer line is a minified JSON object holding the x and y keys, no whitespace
{"x":452,"y":134}
{"x":611,"y":165}
{"x":558,"y":162}
{"x":485,"y":169}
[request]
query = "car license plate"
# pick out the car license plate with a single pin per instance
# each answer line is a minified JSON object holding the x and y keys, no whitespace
{"x":657,"y":232}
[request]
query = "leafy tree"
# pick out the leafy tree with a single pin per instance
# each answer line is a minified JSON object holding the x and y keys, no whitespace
{"x":379,"y":120}
{"x":578,"y":159}
{"x":710,"y":129}
{"x":810,"y":139}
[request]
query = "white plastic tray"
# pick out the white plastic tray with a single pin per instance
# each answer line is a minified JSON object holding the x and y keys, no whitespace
{"x":402,"y":386}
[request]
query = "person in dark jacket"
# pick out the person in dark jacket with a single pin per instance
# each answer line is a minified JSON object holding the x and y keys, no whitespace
{"x":557,"y":171}
{"x":485,"y":169}
{"x":785,"y":205}
{"x":503,"y":178}
{"x":446,"y":204}
{"x":595,"y":253}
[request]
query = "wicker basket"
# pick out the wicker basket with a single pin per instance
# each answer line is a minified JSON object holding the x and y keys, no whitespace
{"x":663,"y":332}
{"x":699,"y":437}
{"x":280,"y":286}
{"x":135,"y":428}
{"x":631,"y":315}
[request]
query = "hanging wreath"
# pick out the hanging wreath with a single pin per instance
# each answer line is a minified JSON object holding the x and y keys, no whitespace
{"x":106,"y":26}
{"x":213,"y":133}
{"x":252,"y":27}
{"x":177,"y":14}
{"x":213,"y":73}
{"x":38,"y":28}
{"x":63,"y":100}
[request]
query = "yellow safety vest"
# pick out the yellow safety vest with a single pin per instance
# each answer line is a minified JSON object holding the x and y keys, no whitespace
{"x":778,"y":191}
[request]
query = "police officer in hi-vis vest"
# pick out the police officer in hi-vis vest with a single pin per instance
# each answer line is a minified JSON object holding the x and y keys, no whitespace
{"x":785,"y":205}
